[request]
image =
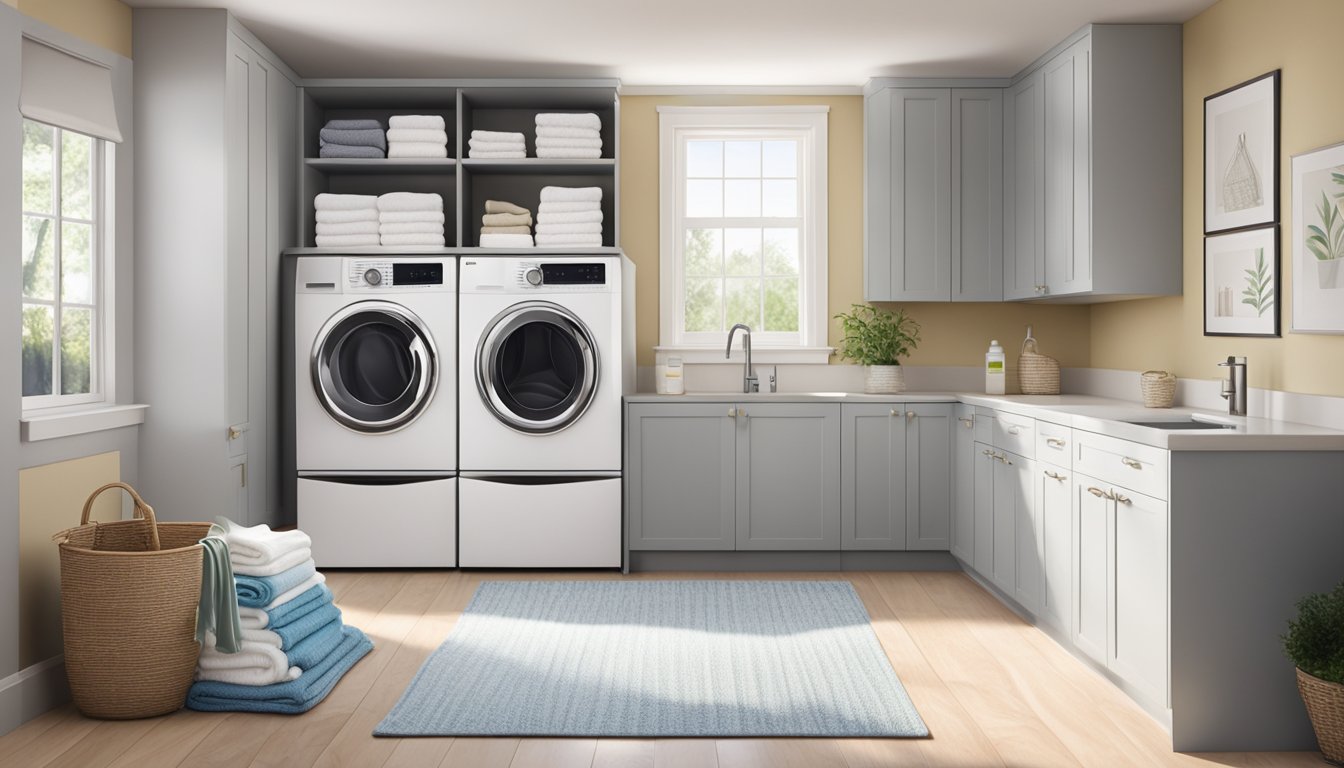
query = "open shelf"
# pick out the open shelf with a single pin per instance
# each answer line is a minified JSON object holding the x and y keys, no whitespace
{"x":536,"y":165}
{"x":380,"y":250}
{"x":362,"y":166}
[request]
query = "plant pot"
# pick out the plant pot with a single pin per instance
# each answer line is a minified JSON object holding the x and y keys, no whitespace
{"x":1328,"y":273}
{"x":1325,"y":707}
{"x":883,"y":379}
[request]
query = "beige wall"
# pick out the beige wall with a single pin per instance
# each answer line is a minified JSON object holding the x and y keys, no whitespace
{"x":1231,"y":42}
{"x":954,"y":334}
{"x":106,"y":23}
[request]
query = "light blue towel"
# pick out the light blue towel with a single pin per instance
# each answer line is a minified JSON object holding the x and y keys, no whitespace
{"x":290,"y":698}
{"x":302,"y":628}
{"x":305,"y":603}
{"x":311,"y":651}
{"x":259,"y":591}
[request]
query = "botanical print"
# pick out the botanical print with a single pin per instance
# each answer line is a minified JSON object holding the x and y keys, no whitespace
{"x":1241,"y":156}
{"x":1318,"y":241}
{"x":1241,"y":283}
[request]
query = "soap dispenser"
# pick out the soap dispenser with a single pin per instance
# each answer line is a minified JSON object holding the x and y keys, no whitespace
{"x":995,"y":376}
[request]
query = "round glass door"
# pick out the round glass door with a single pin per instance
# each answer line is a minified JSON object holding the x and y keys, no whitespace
{"x":537,"y":367}
{"x":374,"y":366}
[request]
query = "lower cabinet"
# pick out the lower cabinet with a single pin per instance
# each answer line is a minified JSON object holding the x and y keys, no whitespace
{"x":681,"y":474}
{"x":788,"y":476}
{"x":983,"y":508}
{"x":1054,"y":506}
{"x":897,"y":476}
{"x":1090,"y":623}
{"x":963,"y":484}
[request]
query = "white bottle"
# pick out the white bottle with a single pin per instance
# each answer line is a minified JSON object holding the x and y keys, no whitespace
{"x":995,"y":377}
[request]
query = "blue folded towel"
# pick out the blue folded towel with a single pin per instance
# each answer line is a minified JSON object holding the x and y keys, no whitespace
{"x":311,"y":651}
{"x":368,"y":137}
{"x":307,"y":602}
{"x":292,"y":697}
{"x":302,"y":628}
{"x":259,"y":591}
{"x":343,"y":150}
{"x":353,"y":125}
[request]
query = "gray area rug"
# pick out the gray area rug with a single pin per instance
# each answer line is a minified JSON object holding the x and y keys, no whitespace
{"x":658,"y":658}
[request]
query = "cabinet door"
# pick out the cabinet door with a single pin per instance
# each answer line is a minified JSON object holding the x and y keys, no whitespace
{"x":977,"y":194}
{"x":1067,"y":158}
{"x":1137,"y":651}
{"x":963,"y":484}
{"x":873,"y":477}
{"x":928,"y":473}
{"x":984,"y":508}
{"x":1090,"y":613}
{"x":1020,"y":475}
{"x":680,"y":464}
{"x":1054,"y":504}
{"x":1024,"y":189}
{"x":788,"y":476}
{"x":1006,"y":494}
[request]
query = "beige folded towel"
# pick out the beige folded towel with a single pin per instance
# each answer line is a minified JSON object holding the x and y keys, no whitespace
{"x":507,"y":219}
{"x":506,"y":230}
{"x":503,"y":206}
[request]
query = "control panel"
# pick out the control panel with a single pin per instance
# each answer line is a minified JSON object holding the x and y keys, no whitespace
{"x":368,"y":275}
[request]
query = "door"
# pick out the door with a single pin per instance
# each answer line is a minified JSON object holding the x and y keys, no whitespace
{"x":1024,"y":190}
{"x":963,"y":484}
{"x":985,"y":463}
{"x":977,"y":194}
{"x":1020,"y":476}
{"x":1004,"y":506}
{"x":1054,"y":504}
{"x":1138,"y":592}
{"x":873,"y":481}
{"x":788,"y":476}
{"x":1091,"y":510}
{"x":1067,"y":169}
{"x":537,"y":367}
{"x":928,"y":473}
{"x":679,"y":471}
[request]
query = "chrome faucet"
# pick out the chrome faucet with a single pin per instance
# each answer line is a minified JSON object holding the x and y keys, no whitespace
{"x":1234,"y":386}
{"x":749,"y":381}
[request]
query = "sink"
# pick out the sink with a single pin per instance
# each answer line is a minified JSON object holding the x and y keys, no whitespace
{"x":1184,"y":424}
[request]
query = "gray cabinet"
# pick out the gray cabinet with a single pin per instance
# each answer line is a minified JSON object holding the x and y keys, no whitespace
{"x":788,"y":476}
{"x":1137,"y":597}
{"x":1024,"y":185}
{"x":1091,"y":624}
{"x":977,"y":194}
{"x":1067,"y":263}
{"x":985,"y":463}
{"x":1054,"y":506}
{"x":963,"y":484}
{"x":928,"y":476}
{"x":680,"y":470}
{"x":873,"y":459}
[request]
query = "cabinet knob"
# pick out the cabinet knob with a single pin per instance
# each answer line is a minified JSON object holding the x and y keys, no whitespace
{"x":1131,"y":463}
{"x":1054,"y":442}
{"x":1013,"y":430}
{"x":910,"y":414}
{"x":895,"y":413}
{"x":732,"y":412}
{"x":967,"y":423}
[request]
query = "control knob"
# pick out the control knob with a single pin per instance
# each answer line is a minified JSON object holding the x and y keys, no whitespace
{"x":373,"y":276}
{"x":533,"y":276}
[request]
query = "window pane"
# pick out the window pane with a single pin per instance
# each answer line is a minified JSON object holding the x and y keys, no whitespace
{"x":781,"y":251}
{"x":704,"y":304}
{"x":704,"y":252}
{"x":76,"y":263}
{"x":76,"y":351}
{"x":743,"y":297}
{"x":39,"y":260}
{"x":781,"y":304}
{"x":37,"y":347}
{"x":780,"y":197}
{"x":742,"y":198}
{"x":704,"y":159}
{"x":780,"y":159}
{"x":704,"y":198}
{"x":743,"y":249}
{"x":742,"y":159}
{"x":38,"y":141}
{"x":76,"y":184}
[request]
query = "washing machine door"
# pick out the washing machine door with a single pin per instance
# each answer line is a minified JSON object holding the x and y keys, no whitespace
{"x":374,"y":366}
{"x":537,"y":367}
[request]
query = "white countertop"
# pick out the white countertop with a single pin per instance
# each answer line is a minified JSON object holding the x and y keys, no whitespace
{"x":1101,"y":415}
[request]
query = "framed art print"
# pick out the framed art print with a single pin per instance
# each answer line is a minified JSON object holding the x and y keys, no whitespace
{"x":1241,"y":155}
{"x":1241,"y":283}
{"x":1318,"y":240}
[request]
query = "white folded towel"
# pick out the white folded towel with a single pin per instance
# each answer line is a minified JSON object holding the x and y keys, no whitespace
{"x":576,"y":241}
{"x":494,"y":240}
{"x":345,"y":217}
{"x":423,"y":149}
{"x":411,"y":228}
{"x":571,"y":194}
{"x":259,"y":546}
{"x":560,"y":143}
{"x":430,"y":122}
{"x":569,"y":120}
{"x":494,"y":146}
{"x":425,"y":217}
{"x":568,"y":153}
{"x":419,"y":239}
{"x":515,"y":140}
{"x":552,"y":206}
{"x":547,"y":216}
{"x":410,"y":201}
{"x":516,"y":154}
{"x":348,"y":228}
{"x":253,"y":618}
{"x":345,"y":241}
{"x":296,"y":590}
{"x":569,"y":229}
{"x":254,"y":664}
{"x":428,"y":135}
{"x":261,"y":636}
{"x":566,"y":132}
{"x":497,"y":136}
{"x":329,"y":202}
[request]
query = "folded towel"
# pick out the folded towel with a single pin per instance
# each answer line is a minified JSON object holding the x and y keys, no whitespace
{"x":419,"y":217}
{"x":367,"y":137}
{"x":568,"y":153}
{"x":263,"y":637}
{"x":330,"y":202}
{"x":492,"y":145}
{"x":415,"y":135}
{"x":410,"y":228}
{"x":424,"y":238}
{"x":353,"y":125}
{"x":288,"y":613}
{"x":310,"y":651}
{"x":217,"y":611}
{"x":567,"y":132}
{"x":258,"y":545}
{"x":566,"y":241}
{"x":290,"y":697}
{"x":416,"y":149}
{"x":501,"y":206}
{"x":571,"y":194}
{"x":299,"y":630}
{"x":507,"y":136}
{"x":410,"y":201}
{"x":506,"y":230}
{"x":346,"y":217}
{"x":346,"y":151}
{"x":552,"y":143}
{"x":348,"y":228}
{"x":547,"y":216}
{"x":492,"y":240}
{"x":516,"y":154}
{"x":552,"y":206}
{"x":255,"y":664}
{"x":591,"y":228}
{"x":259,"y":591}
{"x":345,"y":241}
{"x":507,"y":219}
{"x":430,"y":122}
{"x":295,"y":591}
{"x":569,"y":120}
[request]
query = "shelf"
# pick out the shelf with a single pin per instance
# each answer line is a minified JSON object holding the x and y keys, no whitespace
{"x":539,"y":165}
{"x":381,"y":165}
{"x":379,"y":250}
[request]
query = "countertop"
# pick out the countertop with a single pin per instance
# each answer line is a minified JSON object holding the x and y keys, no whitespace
{"x":1100,"y":415}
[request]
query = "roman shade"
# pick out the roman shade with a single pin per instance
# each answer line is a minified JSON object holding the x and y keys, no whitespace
{"x":67,"y":91}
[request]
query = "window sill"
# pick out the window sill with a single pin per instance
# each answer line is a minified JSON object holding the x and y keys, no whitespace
{"x":50,"y":423}
{"x":767,"y":355}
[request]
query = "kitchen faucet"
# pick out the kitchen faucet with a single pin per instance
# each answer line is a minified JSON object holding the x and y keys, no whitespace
{"x":749,"y":381}
{"x":1234,"y":386}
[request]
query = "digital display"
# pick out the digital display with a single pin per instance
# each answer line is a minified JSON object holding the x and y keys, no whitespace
{"x":574,"y":274}
{"x":417,"y":274}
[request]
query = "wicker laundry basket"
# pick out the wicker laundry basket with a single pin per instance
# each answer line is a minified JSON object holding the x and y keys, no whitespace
{"x":129,"y":592}
{"x":1158,"y":388}
{"x":1037,"y":374}
{"x":1325,"y":706}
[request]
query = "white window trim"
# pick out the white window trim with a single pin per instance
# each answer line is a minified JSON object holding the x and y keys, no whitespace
{"x":815,"y":321}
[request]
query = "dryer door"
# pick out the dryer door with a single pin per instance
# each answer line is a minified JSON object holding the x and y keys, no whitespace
{"x":537,"y":367}
{"x":375,"y":366}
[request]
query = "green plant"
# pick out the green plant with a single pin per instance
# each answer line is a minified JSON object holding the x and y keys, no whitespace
{"x":1328,"y":242}
{"x":1315,"y":641}
{"x":876,"y":337}
{"x":1257,"y":292}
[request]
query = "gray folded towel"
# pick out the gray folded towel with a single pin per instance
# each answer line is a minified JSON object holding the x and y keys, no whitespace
{"x":502,"y":206}
{"x":366,"y":137}
{"x":507,"y":219}
{"x":353,"y":125}
{"x":345,"y":150}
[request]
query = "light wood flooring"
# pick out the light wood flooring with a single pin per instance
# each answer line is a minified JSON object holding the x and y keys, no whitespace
{"x":994,"y":691}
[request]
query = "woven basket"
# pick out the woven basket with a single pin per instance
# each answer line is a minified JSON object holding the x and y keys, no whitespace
{"x":1037,"y":374}
{"x":1325,"y":707}
{"x":1158,"y":388}
{"x":129,"y":592}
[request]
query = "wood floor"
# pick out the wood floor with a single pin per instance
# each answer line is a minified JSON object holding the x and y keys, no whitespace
{"x":992,"y":689}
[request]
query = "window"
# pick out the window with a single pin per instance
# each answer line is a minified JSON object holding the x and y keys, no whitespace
{"x":62,"y":254}
{"x":743,"y":224}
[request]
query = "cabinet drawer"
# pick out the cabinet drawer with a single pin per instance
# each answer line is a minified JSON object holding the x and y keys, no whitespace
{"x":1015,"y":434}
{"x":1054,"y":444}
{"x":378,"y":523}
{"x":1140,"y":468}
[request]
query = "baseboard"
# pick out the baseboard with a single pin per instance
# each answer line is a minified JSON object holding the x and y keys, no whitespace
{"x":752,"y":562}
{"x":32,"y":691}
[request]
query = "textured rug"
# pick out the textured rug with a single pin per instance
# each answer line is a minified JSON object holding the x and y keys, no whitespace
{"x":658,"y":658}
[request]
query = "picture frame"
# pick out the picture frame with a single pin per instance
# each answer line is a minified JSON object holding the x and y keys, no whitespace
{"x":1241,"y":283}
{"x":1241,"y":155}
{"x":1318,"y":240}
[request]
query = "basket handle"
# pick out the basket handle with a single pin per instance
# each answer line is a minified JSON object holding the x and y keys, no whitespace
{"x":1032,"y":341}
{"x":142,"y":510}
{"x":1160,"y":375}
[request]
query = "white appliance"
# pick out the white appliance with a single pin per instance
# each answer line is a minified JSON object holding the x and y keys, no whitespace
{"x":376,"y":409}
{"x":546,"y":353}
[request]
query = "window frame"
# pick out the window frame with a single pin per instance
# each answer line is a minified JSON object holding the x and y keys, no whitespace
{"x":804,"y":123}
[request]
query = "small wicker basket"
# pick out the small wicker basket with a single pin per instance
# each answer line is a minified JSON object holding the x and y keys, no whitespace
{"x":1325,"y":707}
{"x":1037,"y":373}
{"x":1158,"y":388}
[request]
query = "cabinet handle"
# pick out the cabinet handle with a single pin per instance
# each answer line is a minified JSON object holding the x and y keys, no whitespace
{"x":1013,"y":430}
{"x":1123,"y":499}
{"x":1100,"y":494}
{"x":894,"y":413}
{"x":1054,"y":442}
{"x":1132,"y":463}
{"x":988,"y":453}
{"x":732,"y":412}
{"x":967,"y":423}
{"x":1055,"y":476}
{"x":910,"y":415}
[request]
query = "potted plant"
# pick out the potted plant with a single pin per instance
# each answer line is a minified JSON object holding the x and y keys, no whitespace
{"x":1315,"y":644}
{"x":877,"y":340}
{"x":1326,"y":242}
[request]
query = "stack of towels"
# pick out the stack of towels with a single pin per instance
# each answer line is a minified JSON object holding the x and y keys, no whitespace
{"x":352,"y":138}
{"x":570,"y":217}
{"x":496,"y":145}
{"x":411,"y":218}
{"x":569,"y":135}
{"x":417,"y":136}
{"x":346,"y":221}
{"x":294,"y":647}
{"x":506,"y":225}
